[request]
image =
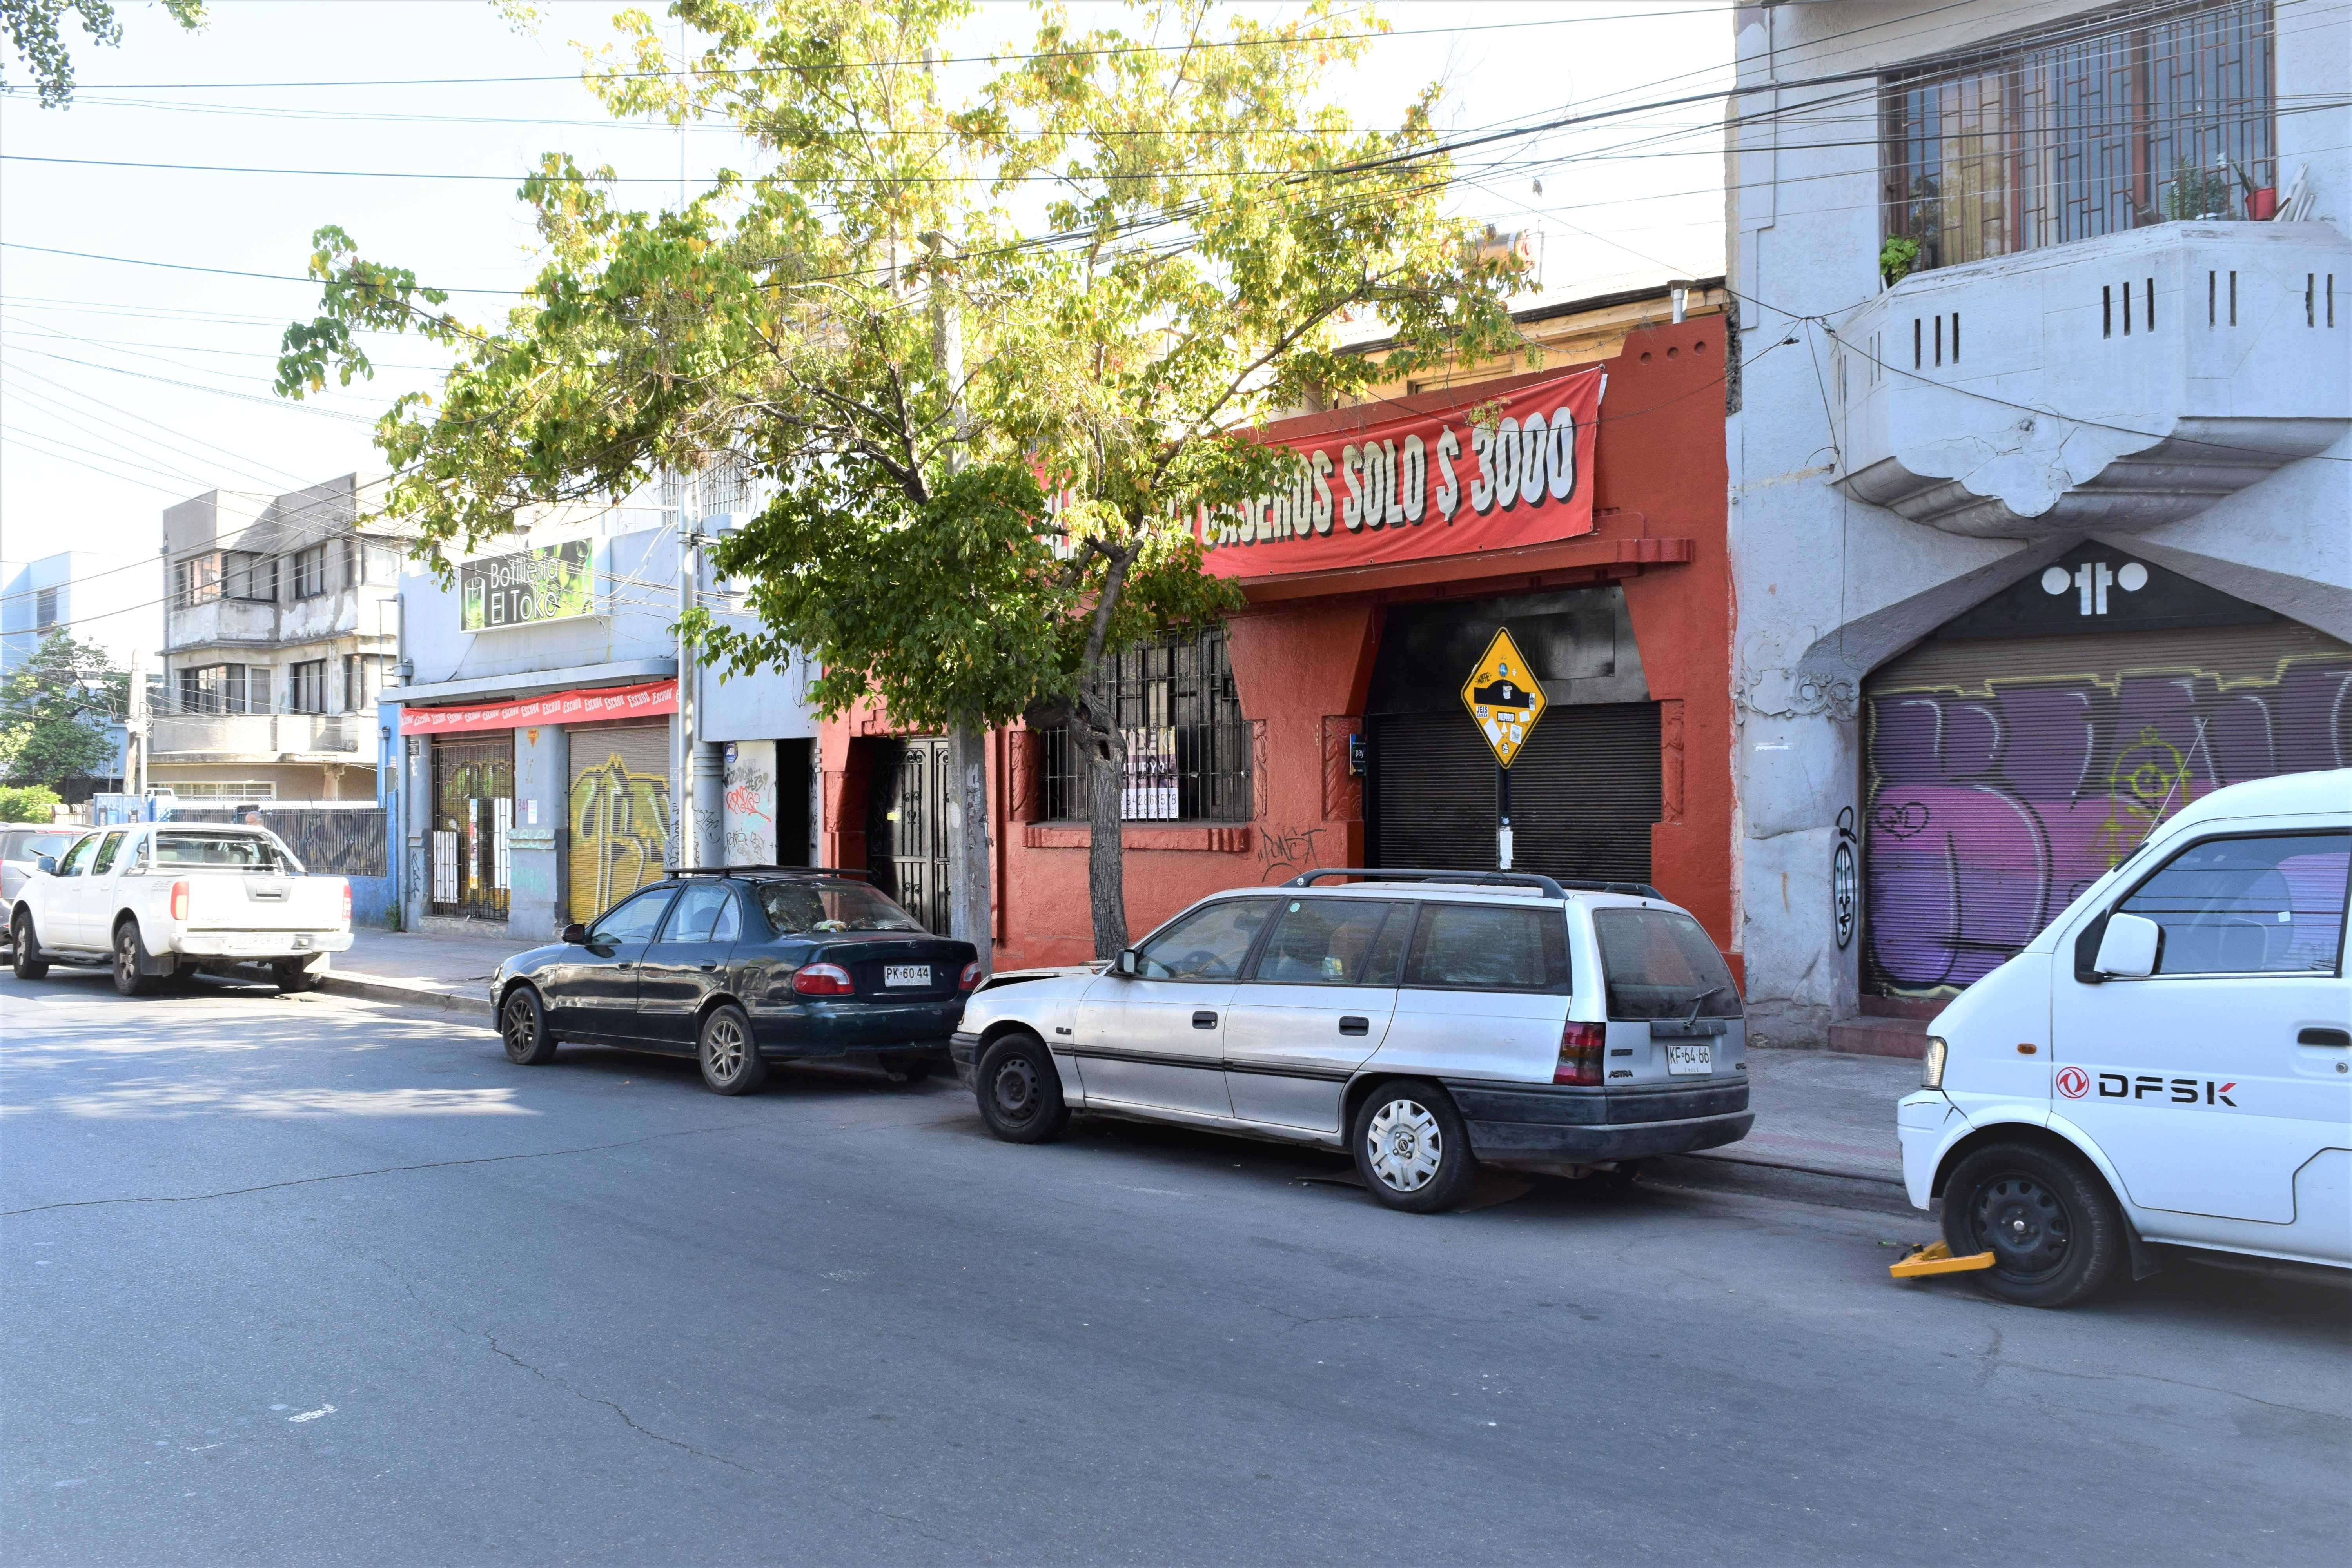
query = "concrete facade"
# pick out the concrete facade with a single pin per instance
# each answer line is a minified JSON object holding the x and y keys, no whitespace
{"x":1877,"y":491}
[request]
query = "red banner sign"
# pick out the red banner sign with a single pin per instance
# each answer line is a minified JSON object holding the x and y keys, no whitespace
{"x":1423,"y":485}
{"x":588,"y":705}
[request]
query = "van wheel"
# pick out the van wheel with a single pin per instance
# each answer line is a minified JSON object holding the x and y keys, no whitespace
{"x":1411,"y":1148}
{"x":295,"y":974}
{"x":26,"y":958}
{"x":130,"y":976}
{"x":523,"y":1029}
{"x":732,"y":1063}
{"x":1019,"y":1091}
{"x":2047,"y":1218}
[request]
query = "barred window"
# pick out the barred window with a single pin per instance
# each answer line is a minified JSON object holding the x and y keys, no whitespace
{"x":1187,"y":746}
{"x":2085,"y":130}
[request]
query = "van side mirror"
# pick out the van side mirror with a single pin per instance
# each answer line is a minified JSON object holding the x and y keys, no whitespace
{"x":46,"y":863}
{"x":1124,"y":965}
{"x":575,"y":933}
{"x":2128,"y":948}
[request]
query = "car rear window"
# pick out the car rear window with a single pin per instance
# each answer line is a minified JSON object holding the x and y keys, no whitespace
{"x":31,"y":846}
{"x":223,"y":851}
{"x":1660,"y":964}
{"x":1483,"y":947}
{"x":800,"y":908}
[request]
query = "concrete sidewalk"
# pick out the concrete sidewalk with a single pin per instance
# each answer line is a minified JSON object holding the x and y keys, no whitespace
{"x":1819,"y":1112}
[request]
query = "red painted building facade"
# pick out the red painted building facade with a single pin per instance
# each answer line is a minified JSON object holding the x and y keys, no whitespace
{"x":1324,"y":726}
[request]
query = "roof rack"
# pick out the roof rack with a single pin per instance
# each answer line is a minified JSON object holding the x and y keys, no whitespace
{"x":1551,"y":888}
{"x":786,"y":870}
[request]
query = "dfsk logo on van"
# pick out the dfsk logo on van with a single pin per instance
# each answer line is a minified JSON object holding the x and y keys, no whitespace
{"x":2074,"y":1083}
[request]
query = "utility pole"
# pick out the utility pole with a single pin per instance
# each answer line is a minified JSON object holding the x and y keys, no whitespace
{"x":685,"y":833}
{"x":969,"y":908}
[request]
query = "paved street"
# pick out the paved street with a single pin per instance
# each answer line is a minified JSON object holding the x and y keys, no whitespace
{"x":324,"y":1280}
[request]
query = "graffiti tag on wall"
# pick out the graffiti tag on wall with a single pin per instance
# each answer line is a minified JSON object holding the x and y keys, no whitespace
{"x":1987,"y":816}
{"x":620,"y":834}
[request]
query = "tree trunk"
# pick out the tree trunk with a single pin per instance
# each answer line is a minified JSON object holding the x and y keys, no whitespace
{"x":969,"y":909}
{"x":1106,"y":753}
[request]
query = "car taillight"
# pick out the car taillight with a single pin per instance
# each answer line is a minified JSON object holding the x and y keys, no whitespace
{"x":1580,"y":1053}
{"x":822,"y":979}
{"x":179,"y":900}
{"x":347,"y":903}
{"x":969,"y":978}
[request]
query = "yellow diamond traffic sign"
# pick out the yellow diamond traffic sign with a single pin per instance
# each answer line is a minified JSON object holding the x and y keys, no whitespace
{"x":1503,"y":698}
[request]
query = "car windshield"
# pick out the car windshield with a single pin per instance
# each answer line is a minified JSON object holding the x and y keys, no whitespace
{"x":33,"y":846}
{"x":223,"y":851}
{"x":1662,"y":965}
{"x":799,"y":908}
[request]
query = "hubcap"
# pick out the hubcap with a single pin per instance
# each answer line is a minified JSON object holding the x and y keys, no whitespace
{"x":1405,"y":1145}
{"x":519,"y":1026}
{"x":2024,"y":1225}
{"x":724,"y":1043}
{"x":1017,"y":1091}
{"x":126,"y":960}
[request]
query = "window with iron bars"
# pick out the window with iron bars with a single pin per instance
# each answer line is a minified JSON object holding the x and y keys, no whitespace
{"x":2091,"y":128}
{"x":1187,"y":746}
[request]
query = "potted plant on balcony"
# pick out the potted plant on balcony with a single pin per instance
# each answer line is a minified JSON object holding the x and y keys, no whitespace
{"x":1898,"y":258}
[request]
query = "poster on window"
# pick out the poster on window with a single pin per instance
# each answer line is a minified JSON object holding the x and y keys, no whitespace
{"x":1148,"y":793}
{"x":549,"y":582}
{"x":1499,"y":470}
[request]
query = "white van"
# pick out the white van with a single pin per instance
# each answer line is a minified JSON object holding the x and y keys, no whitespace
{"x":2170,"y":1061}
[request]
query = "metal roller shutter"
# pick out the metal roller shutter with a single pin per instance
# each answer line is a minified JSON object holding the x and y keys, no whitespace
{"x":1584,"y":792}
{"x":618,"y":814}
{"x":2003,"y":776}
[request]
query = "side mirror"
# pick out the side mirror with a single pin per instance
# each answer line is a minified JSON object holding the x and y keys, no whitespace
{"x":46,"y":863}
{"x":1124,"y":965}
{"x":575,"y":933}
{"x":2128,"y":948}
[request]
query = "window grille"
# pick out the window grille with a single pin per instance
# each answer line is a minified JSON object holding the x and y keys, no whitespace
{"x":2083,"y":131}
{"x":44,"y":609}
{"x":1187,"y":746}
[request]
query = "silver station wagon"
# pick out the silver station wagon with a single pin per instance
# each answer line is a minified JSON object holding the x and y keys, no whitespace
{"x":1424,"y":1021}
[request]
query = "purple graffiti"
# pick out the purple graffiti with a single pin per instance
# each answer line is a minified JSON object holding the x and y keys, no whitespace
{"x":1988,"y":815}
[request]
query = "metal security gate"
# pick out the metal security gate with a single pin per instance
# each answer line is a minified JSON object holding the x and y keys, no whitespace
{"x":906,"y":828}
{"x":618,"y":814}
{"x":1585,"y":791}
{"x":473,"y":816}
{"x":2004,"y":773}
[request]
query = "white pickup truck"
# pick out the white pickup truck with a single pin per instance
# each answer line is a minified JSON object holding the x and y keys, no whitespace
{"x":161,"y":898}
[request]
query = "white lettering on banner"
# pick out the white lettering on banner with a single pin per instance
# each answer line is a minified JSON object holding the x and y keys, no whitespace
{"x":1449,"y":490}
{"x":1352,"y":512}
{"x":1507,"y":463}
{"x":1322,"y":469}
{"x":1482,"y":489}
{"x":1559,"y":467}
{"x":1412,"y":481}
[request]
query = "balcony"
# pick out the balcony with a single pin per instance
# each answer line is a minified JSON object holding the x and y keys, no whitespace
{"x":2113,"y":385}
{"x":258,"y":737}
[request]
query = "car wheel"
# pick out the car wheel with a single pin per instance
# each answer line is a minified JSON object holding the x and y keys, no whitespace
{"x":731,"y":1057}
{"x":1411,"y":1148}
{"x":523,"y":1029}
{"x":1019,"y":1091}
{"x":295,"y":974}
{"x":2047,"y":1218}
{"x":130,"y":976}
{"x":26,"y":960}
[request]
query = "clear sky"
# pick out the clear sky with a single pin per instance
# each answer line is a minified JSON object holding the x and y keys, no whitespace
{"x":124,"y":388}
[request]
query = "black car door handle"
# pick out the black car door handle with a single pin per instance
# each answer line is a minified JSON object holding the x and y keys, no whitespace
{"x":705,"y":968}
{"x":2340,"y":1038}
{"x":1355,"y":1026}
{"x":1205,"y":1020}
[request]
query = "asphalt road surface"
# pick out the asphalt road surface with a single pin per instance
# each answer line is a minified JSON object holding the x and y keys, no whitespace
{"x":309,"y":1281}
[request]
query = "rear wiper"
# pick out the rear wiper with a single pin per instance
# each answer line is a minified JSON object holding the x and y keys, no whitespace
{"x":1700,"y":1000}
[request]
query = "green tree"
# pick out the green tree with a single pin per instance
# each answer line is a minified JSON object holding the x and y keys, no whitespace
{"x":54,"y":712}
{"x":35,"y":31}
{"x":1082,"y":279}
{"x":27,"y":803}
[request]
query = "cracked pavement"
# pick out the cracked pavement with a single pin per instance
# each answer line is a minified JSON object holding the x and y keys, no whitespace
{"x":327,"y":1281}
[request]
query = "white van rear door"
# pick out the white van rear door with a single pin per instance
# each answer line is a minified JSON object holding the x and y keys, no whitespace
{"x":2197,"y":1081}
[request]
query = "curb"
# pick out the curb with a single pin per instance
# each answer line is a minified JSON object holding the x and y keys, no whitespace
{"x":404,"y":992}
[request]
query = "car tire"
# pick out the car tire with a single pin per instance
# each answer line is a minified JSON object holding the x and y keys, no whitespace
{"x":523,"y":1029}
{"x":1411,"y":1148}
{"x":130,"y":976}
{"x":1020,"y":1090}
{"x":732,"y":1063}
{"x":24,"y":958}
{"x":295,"y":974}
{"x":2048,"y":1220}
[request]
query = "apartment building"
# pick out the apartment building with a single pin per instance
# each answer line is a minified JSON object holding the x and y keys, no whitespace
{"x":281,"y":622}
{"x":2041,"y":494}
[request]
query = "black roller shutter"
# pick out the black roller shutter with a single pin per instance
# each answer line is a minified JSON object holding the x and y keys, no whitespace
{"x":1584,"y":792}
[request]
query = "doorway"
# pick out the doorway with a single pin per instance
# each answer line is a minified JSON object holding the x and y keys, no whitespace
{"x":907,"y":827}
